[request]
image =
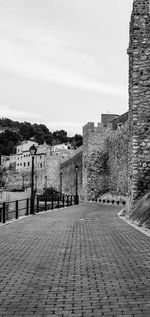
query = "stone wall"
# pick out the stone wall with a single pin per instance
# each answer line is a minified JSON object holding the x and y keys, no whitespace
{"x":139,"y":100}
{"x":93,"y":143}
{"x":105,"y":159}
{"x":67,"y":169}
{"x":117,"y":146}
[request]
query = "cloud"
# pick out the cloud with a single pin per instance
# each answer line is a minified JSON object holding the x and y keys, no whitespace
{"x":15,"y":114}
{"x":72,"y":127}
{"x":50,"y":60}
{"x":19,"y":115}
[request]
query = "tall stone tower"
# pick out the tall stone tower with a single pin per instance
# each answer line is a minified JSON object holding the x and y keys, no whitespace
{"x":139,"y":99}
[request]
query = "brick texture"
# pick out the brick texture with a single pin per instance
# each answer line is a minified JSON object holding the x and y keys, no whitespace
{"x":79,"y":261}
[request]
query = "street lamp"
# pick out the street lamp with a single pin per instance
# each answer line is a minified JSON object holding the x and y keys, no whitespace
{"x":33,"y":151}
{"x":36,"y":180}
{"x":1,"y":180}
{"x":61,"y":174}
{"x":23,"y":182}
{"x":76,"y":185}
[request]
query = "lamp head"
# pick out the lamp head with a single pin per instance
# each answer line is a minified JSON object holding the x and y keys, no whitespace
{"x":33,"y":150}
{"x":76,"y":168}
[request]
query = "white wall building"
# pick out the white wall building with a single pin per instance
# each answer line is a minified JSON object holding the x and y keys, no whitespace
{"x":23,"y":156}
{"x":23,"y":159}
{"x":60,"y":147}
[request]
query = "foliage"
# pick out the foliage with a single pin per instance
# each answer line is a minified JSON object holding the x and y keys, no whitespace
{"x":19,"y":131}
{"x":51,"y":192}
{"x":98,"y":172}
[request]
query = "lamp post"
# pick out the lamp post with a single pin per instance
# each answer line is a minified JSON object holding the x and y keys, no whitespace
{"x":33,"y":151}
{"x":76,"y":185}
{"x":36,"y":180}
{"x":23,"y":182}
{"x":61,"y":174}
{"x":1,"y":180}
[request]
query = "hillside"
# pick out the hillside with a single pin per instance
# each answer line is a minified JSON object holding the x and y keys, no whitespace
{"x":13,"y":132}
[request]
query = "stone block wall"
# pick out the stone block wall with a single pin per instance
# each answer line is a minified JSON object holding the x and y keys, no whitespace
{"x":93,"y":143}
{"x":117,"y":146}
{"x":105,"y":159}
{"x":67,"y":169}
{"x":139,"y":99}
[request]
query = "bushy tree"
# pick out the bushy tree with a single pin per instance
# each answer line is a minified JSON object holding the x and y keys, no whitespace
{"x":25,"y":131}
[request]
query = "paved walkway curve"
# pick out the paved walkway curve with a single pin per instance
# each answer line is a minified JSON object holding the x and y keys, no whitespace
{"x":81,"y":261}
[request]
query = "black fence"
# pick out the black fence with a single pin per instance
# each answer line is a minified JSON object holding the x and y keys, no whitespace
{"x":25,"y":207}
{"x":109,"y":201}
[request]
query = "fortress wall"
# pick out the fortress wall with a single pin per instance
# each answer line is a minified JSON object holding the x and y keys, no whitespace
{"x":139,"y":99}
{"x":93,"y":143}
{"x":69,"y":177}
{"x":118,"y":160}
{"x":105,"y":160}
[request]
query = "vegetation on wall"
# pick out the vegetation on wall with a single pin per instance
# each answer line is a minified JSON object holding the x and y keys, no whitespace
{"x":15,"y":132}
{"x":98,"y":173}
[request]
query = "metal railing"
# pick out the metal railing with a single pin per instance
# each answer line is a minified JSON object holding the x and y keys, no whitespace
{"x":24,"y":207}
{"x":109,"y":201}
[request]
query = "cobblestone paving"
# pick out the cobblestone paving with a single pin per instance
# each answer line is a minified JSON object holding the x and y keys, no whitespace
{"x":79,"y":261}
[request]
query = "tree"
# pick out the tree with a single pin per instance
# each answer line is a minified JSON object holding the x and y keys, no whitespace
{"x":59,"y":136}
{"x":26,"y":130}
{"x":9,"y":139}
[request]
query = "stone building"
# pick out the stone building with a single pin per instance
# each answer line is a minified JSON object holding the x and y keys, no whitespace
{"x":16,"y":168}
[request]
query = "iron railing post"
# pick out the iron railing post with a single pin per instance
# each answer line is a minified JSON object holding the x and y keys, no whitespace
{"x":45,"y":203}
{"x":16,"y":209}
{"x":32,"y":205}
{"x":58,"y":202}
{"x":4,"y":211}
{"x":27,"y":207}
{"x":52,"y":205}
{"x":67,"y":200}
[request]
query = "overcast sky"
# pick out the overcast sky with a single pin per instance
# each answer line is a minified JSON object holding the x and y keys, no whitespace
{"x":63,"y":62}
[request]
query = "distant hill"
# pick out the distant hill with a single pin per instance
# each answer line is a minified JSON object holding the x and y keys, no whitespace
{"x":13,"y":132}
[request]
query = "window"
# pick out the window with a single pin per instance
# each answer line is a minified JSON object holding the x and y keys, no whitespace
{"x":28,"y":163}
{"x":24,"y":164}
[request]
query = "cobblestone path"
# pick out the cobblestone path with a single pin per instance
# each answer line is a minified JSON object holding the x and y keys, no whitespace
{"x":79,"y":261}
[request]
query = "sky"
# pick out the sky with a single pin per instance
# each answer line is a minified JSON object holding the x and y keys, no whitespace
{"x":63,"y":62}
